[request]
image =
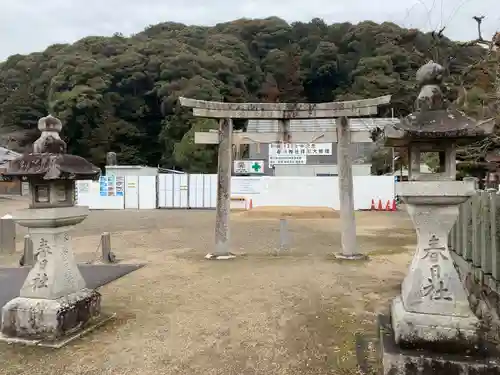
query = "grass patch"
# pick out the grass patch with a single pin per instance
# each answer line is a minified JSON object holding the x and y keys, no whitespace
{"x":325,"y":340}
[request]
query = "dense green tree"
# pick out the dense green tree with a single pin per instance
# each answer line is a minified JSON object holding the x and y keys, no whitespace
{"x":120,"y":94}
{"x":196,"y":158}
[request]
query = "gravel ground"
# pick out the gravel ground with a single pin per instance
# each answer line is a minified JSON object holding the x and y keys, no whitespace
{"x":262,"y":313}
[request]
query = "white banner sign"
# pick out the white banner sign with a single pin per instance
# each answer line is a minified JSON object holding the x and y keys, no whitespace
{"x":246,"y":185}
{"x":287,"y":159}
{"x":296,"y":153}
{"x":300,"y":149}
{"x":248,"y":166}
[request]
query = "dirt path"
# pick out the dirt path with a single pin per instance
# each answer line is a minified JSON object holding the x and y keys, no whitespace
{"x":295,"y":313}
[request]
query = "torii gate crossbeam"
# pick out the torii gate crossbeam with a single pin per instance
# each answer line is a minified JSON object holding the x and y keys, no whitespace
{"x":284,"y":111}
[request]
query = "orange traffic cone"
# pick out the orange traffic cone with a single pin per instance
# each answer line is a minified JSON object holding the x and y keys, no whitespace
{"x":250,"y":205}
{"x":388,"y":206}
{"x":372,"y":208}
{"x":394,"y":206}
{"x":380,"y":208}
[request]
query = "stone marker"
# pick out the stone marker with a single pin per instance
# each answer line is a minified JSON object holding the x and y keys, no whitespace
{"x":107,"y":255}
{"x":111,"y":158}
{"x":7,"y":235}
{"x":54,"y":302}
{"x":283,"y":234}
{"x":432,"y":314}
{"x":28,"y":257}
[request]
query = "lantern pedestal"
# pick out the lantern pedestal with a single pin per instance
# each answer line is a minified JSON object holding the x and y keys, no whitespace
{"x":433,"y":307}
{"x":38,"y":321}
{"x":54,"y":302}
{"x":398,"y":360}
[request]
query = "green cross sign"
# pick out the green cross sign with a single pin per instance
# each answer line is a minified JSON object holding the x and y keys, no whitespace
{"x":256,"y":167}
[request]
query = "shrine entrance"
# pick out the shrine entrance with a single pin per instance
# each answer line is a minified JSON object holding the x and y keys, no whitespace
{"x":283,"y":112}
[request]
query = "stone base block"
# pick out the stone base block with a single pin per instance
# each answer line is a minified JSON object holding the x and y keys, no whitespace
{"x":340,"y":256}
{"x":44,"y":319}
{"x":220,"y":256}
{"x":461,"y":333}
{"x":398,"y":361}
{"x":62,"y":341}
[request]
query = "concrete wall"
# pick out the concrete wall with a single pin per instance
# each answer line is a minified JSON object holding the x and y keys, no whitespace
{"x":199,"y":191}
{"x":315,"y":170}
{"x":319,"y":191}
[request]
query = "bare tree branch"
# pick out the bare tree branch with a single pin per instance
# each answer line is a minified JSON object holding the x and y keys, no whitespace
{"x":480,"y":40}
{"x":479,"y":20}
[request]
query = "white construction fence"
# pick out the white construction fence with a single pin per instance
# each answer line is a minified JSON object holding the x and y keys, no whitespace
{"x":198,"y":191}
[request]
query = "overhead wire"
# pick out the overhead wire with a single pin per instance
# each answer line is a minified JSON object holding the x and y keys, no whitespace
{"x":455,"y":11}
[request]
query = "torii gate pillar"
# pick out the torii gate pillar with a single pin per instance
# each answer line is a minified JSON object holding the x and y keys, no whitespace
{"x":223,"y":205}
{"x":346,"y":194}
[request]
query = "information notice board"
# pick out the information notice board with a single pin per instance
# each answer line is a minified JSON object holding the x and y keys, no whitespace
{"x":111,"y":186}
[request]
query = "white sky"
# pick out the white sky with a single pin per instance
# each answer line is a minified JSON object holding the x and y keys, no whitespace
{"x":32,"y":25}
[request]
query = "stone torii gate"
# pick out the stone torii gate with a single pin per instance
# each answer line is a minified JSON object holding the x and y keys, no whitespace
{"x":284,"y":112}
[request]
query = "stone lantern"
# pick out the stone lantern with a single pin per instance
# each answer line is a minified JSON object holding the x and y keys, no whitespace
{"x":54,"y":301}
{"x":433,"y":309}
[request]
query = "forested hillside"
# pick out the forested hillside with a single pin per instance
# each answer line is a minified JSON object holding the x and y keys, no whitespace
{"x":119,"y":94}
